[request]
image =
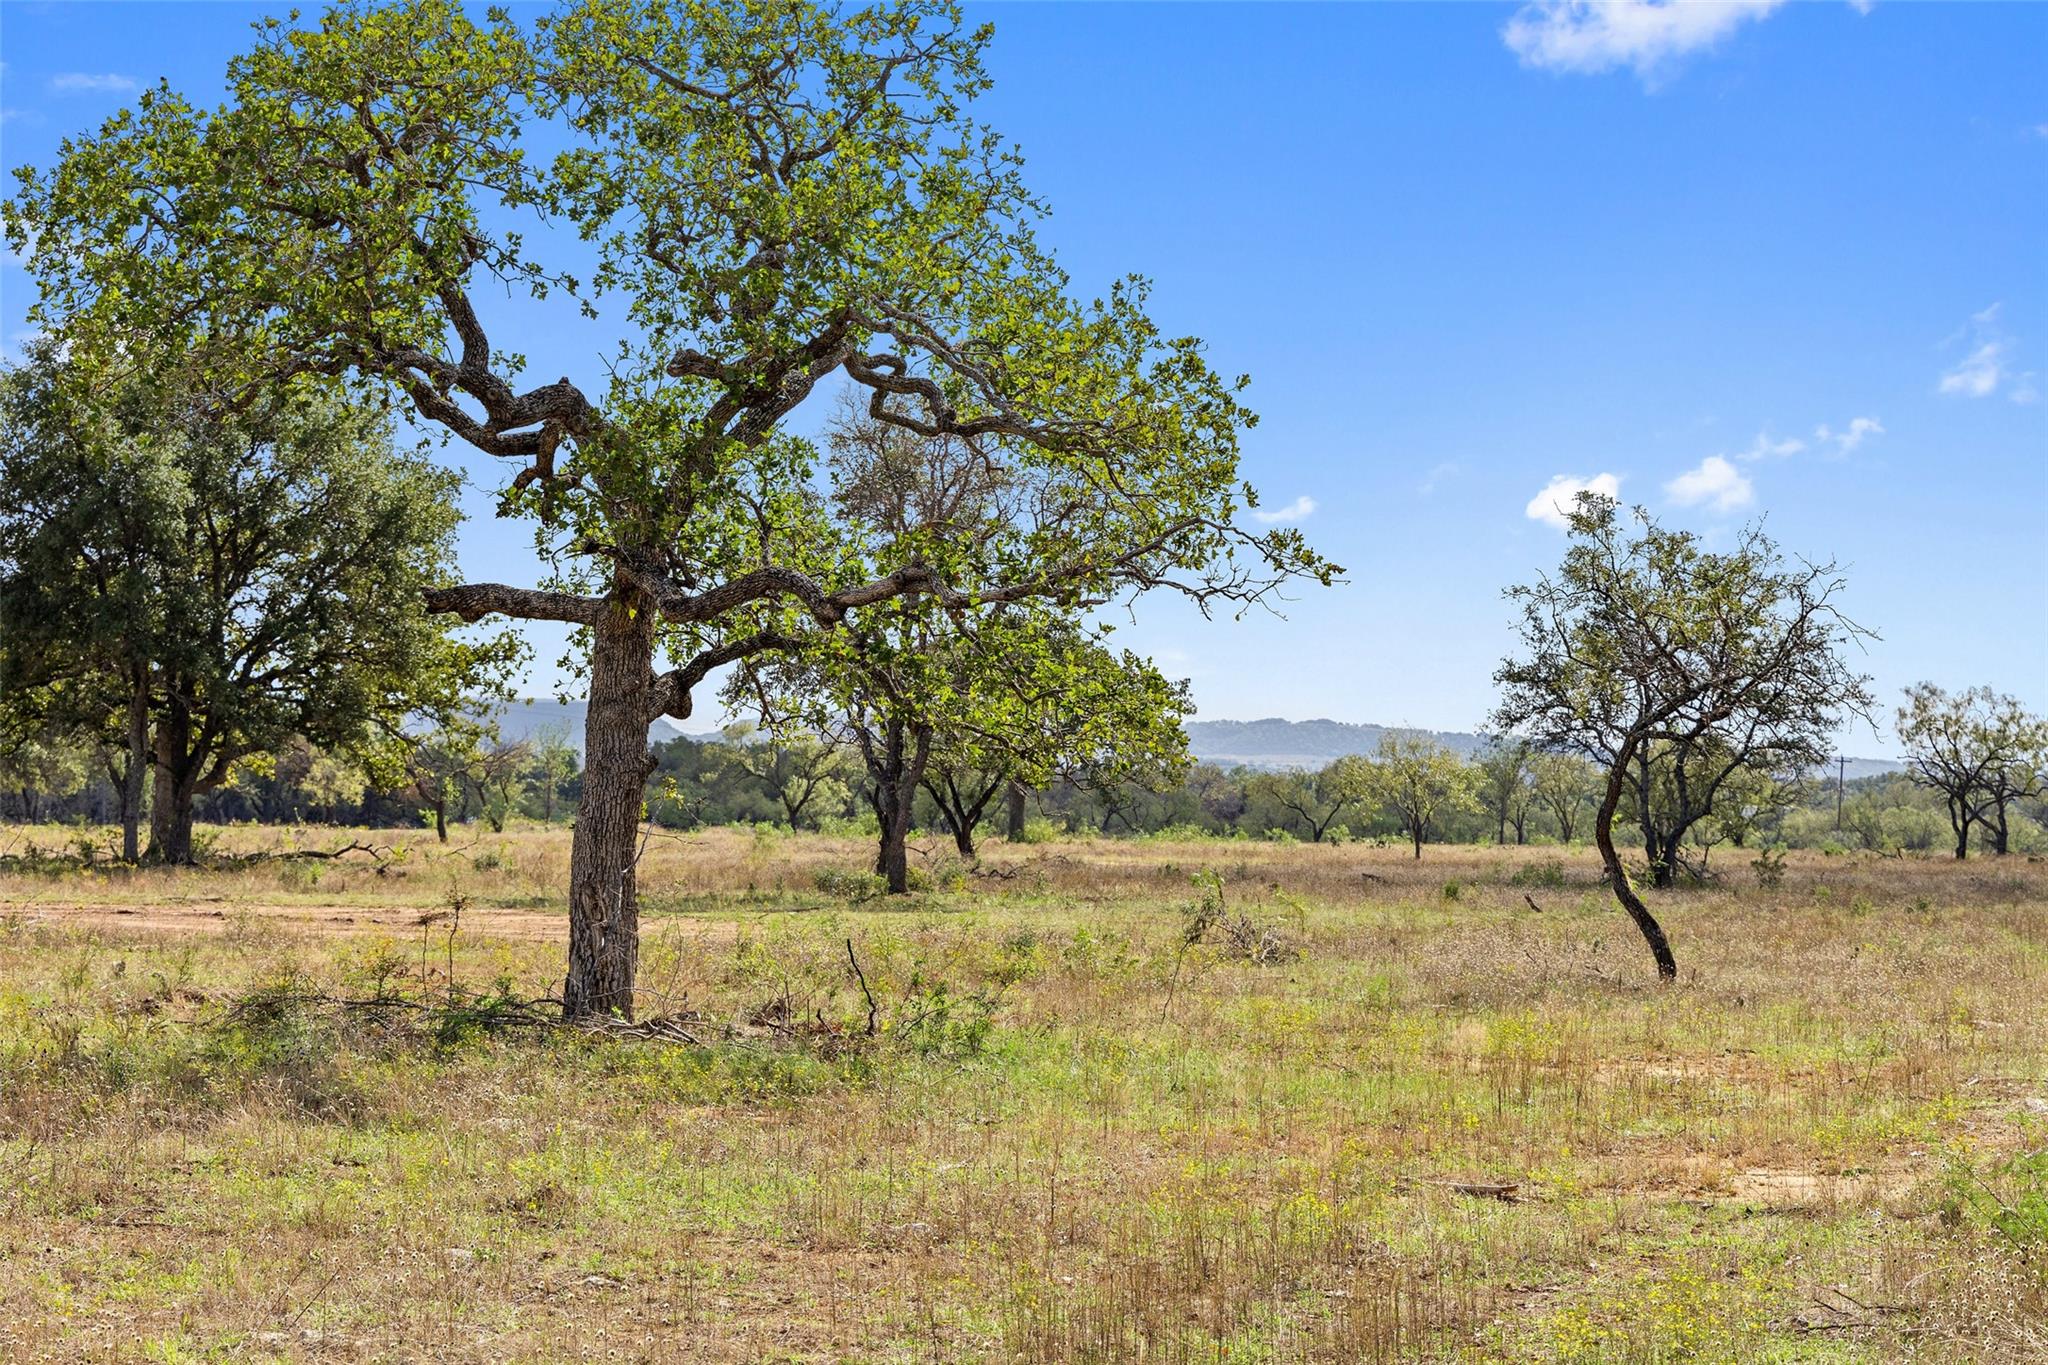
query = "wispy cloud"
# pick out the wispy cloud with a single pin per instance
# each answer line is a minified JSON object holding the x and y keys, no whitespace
{"x":1648,"y":36}
{"x":1297,"y":510}
{"x":1554,"y":504}
{"x":1979,"y":373}
{"x":87,"y":83}
{"x":1716,"y":482}
{"x":1449,"y":469}
{"x":1845,"y":441}
{"x":1765,"y":447}
{"x":1986,"y":364}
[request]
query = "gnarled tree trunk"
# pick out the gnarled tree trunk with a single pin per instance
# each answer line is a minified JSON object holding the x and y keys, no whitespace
{"x":1013,"y":828}
{"x":1662,"y":851}
{"x":2001,"y":835}
{"x":900,"y":767}
{"x":604,"y":908}
{"x":1617,"y":877}
{"x":176,"y":782}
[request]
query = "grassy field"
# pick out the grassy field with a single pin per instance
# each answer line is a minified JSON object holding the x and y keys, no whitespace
{"x":1380,"y":1111}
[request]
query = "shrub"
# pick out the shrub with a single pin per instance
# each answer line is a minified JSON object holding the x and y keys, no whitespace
{"x":1770,"y":868}
{"x":852,"y":887}
{"x":1549,"y":874}
{"x":2010,"y":1198}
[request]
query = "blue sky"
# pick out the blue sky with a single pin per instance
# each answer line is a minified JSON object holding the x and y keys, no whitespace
{"x":1742,"y":260}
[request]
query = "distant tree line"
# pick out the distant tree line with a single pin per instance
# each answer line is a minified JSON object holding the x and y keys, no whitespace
{"x":1508,"y":793}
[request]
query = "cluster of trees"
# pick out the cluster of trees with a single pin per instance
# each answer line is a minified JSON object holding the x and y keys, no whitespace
{"x":1984,"y":754}
{"x":1508,"y":793}
{"x":190,"y":588}
{"x":1413,"y":789}
{"x":459,"y":774}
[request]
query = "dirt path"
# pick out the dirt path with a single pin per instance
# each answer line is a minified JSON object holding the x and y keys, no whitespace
{"x":210,"y":915}
{"x":217,"y":915}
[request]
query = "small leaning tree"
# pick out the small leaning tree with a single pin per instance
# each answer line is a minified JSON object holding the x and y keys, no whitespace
{"x":1642,"y":638}
{"x":774,"y":198}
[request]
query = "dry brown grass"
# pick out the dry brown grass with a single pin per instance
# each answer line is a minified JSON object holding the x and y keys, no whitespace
{"x":1094,"y":1143}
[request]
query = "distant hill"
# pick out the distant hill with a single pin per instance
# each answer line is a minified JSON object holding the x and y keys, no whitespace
{"x":1314,"y":743}
{"x":530,"y":717}
{"x":1271,"y":743}
{"x":1279,"y":743}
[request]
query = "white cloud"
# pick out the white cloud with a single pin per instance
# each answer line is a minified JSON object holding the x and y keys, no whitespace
{"x":1648,"y":36}
{"x":1863,"y":6}
{"x":1764,"y":448}
{"x":1559,"y":498}
{"x":86,"y":83}
{"x":1979,"y":373}
{"x":1716,"y":482}
{"x":1986,"y":367}
{"x":1293,"y":511}
{"x":1845,"y":441}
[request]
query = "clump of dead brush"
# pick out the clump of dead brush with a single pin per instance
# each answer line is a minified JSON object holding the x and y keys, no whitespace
{"x":1208,"y":919}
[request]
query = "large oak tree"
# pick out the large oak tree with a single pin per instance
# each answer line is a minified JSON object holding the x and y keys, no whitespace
{"x":779,"y":197}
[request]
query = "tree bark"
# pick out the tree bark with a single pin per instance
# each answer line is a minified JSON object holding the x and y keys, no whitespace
{"x":170,"y":819}
{"x":1617,"y":877}
{"x":1013,"y":829}
{"x":1663,"y":861}
{"x":604,"y":907}
{"x":138,"y":768}
{"x":896,"y":779}
{"x":176,"y":781}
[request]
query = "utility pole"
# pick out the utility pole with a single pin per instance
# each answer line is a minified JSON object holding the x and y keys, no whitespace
{"x":1841,"y":773}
